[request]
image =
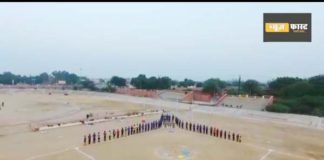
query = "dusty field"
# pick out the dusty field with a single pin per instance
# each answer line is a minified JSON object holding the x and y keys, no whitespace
{"x":264,"y":135}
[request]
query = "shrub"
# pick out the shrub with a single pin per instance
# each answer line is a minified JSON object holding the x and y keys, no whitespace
{"x":280,"y":108}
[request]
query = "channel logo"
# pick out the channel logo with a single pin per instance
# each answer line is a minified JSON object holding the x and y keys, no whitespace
{"x":277,"y":27}
{"x":287,"y":27}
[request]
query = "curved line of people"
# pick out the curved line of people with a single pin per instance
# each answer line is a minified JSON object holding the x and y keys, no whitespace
{"x":205,"y":129}
{"x":121,"y":132}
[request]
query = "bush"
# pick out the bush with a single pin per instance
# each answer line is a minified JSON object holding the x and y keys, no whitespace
{"x":280,"y":108}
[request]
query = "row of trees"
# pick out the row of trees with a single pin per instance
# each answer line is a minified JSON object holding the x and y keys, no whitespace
{"x":296,"y":95}
{"x":292,"y":94}
{"x":212,"y":85}
{"x":45,"y":78}
{"x":142,"y":82}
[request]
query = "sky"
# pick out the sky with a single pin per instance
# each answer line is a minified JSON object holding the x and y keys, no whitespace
{"x":179,"y":40}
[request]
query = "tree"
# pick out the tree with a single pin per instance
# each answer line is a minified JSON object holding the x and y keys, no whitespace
{"x":164,"y":83}
{"x":42,"y":78}
{"x":282,"y":82}
{"x":8,"y":77}
{"x":186,"y":83}
{"x":139,"y":81}
{"x":199,"y":84}
{"x":251,"y":86}
{"x":213,"y":85}
{"x":297,"y":89}
{"x":142,"y":82}
{"x":69,"y":78}
{"x":86,"y":83}
{"x":118,"y":81}
{"x":318,"y":83}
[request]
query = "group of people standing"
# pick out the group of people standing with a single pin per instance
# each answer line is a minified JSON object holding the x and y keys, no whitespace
{"x":166,"y":120}
{"x":208,"y":130}
{"x":121,"y":132}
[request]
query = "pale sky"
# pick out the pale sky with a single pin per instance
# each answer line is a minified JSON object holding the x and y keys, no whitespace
{"x":179,"y":40}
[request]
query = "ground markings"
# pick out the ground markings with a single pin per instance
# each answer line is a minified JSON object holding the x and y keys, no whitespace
{"x":279,"y":152}
{"x":48,"y":154}
{"x":266,"y":155}
{"x":85,"y":154}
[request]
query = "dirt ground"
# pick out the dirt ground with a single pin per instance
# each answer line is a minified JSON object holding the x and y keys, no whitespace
{"x":261,"y":139}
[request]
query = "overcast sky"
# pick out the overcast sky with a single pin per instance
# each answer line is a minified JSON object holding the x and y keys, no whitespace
{"x":179,"y":40}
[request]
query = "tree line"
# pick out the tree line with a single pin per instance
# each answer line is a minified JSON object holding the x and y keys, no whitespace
{"x":292,"y":94}
{"x":297,"y":95}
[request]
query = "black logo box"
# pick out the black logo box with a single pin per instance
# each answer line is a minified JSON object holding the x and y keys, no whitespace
{"x":296,"y":18}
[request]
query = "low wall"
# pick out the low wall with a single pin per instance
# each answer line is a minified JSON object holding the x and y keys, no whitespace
{"x":137,"y":92}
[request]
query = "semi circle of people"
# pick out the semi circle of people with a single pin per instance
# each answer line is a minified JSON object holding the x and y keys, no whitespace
{"x":165,"y":120}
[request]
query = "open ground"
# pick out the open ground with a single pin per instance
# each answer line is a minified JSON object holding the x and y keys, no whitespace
{"x":265,"y":136}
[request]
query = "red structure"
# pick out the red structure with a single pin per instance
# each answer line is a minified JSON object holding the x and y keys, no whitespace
{"x":198,"y":96}
{"x":137,"y":92}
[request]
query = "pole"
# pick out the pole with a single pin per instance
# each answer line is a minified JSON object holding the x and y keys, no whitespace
{"x":239,"y":85}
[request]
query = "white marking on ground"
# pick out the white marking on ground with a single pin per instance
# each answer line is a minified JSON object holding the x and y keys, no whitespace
{"x":48,"y":154}
{"x":266,"y":155}
{"x":85,"y":154}
{"x":279,"y":152}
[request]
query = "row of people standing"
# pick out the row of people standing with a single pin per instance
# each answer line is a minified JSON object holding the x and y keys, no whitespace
{"x":208,"y":130}
{"x":121,"y":132}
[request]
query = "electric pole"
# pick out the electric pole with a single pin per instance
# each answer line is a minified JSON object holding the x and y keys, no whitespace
{"x":239,"y":85}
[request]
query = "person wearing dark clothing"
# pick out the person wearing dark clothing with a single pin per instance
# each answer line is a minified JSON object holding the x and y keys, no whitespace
{"x":211,"y":130}
{"x":114,"y":133}
{"x":85,"y":140}
{"x":143,"y":128}
{"x":117,"y":133}
{"x":224,"y":134}
{"x":229,"y":136}
{"x":240,"y":139}
{"x":89,"y":138}
{"x":98,"y":137}
{"x":94,"y":137}
{"x":109,"y":135}
{"x":122,"y":132}
{"x":194,"y":127}
{"x":220,"y":133}
{"x":105,"y":135}
{"x":217,"y":132}
{"x":233,"y":136}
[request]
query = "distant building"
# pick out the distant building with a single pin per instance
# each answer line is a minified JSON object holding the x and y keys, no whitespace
{"x":60,"y":82}
{"x":99,"y":83}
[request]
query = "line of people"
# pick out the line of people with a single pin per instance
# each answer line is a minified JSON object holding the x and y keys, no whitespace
{"x":121,"y":132}
{"x":166,"y":120}
{"x":204,"y":129}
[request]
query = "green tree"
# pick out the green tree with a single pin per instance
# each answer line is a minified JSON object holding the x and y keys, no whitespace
{"x":297,"y":89}
{"x":251,"y":86}
{"x":213,"y":85}
{"x":118,"y":81}
{"x":318,"y":83}
{"x":276,"y":85}
{"x":186,"y":83}
{"x":86,"y":83}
